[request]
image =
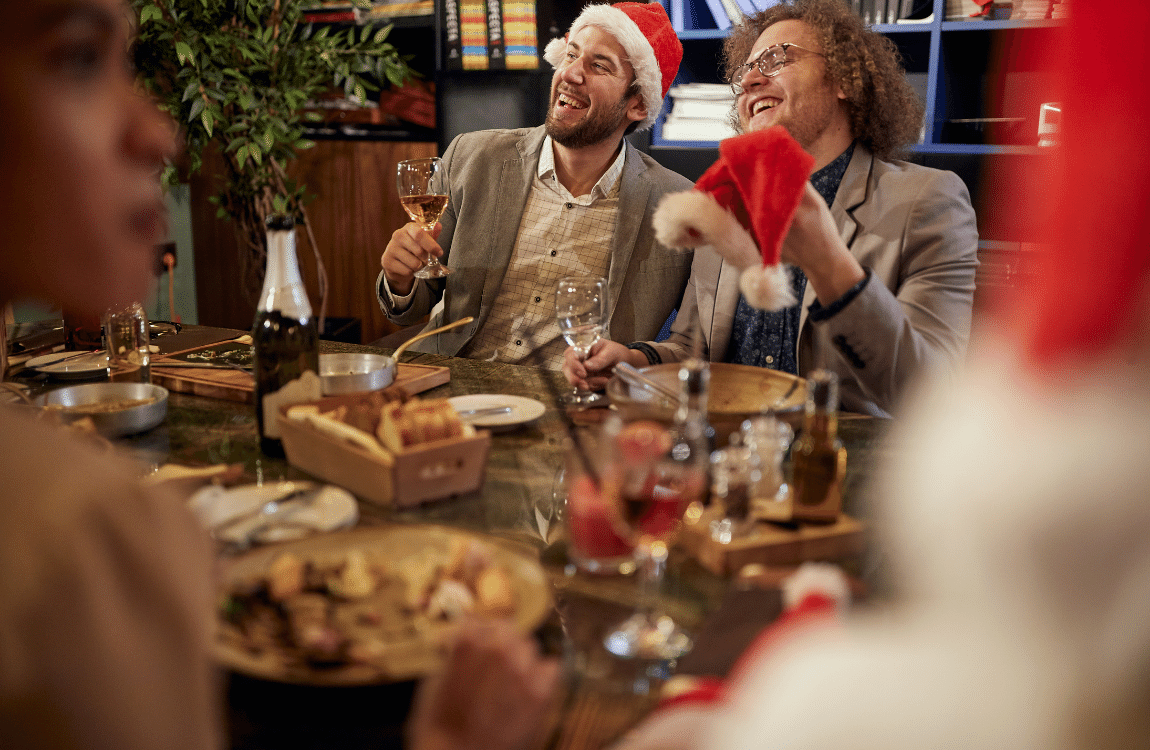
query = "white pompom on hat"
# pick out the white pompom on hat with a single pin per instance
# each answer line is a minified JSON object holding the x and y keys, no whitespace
{"x":646,"y":34}
{"x":743,"y":206}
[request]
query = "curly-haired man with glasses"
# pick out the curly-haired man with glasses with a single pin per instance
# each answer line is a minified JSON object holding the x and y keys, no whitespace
{"x":882,"y":252}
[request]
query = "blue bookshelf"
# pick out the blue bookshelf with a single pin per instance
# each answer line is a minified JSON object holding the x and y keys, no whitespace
{"x":948,"y":59}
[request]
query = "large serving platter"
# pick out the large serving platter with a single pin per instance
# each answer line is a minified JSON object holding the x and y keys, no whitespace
{"x":389,"y":545}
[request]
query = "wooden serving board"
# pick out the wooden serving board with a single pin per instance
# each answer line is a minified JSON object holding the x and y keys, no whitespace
{"x":234,"y":385}
{"x":772,"y":544}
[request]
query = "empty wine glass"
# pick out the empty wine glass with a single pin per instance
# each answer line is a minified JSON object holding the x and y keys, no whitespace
{"x":422,"y":185}
{"x":580,"y":305}
{"x":648,"y":492}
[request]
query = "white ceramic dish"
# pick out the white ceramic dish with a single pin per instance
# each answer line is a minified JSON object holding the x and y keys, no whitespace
{"x":522,"y":410}
{"x":71,"y":365}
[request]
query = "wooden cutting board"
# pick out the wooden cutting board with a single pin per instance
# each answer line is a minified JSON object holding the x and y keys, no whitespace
{"x":771,"y":544}
{"x":234,"y":385}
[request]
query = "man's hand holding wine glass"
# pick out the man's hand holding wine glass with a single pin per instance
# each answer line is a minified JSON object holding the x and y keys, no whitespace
{"x":413,"y":252}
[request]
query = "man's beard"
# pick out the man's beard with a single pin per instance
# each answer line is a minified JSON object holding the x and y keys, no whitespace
{"x":589,"y":131}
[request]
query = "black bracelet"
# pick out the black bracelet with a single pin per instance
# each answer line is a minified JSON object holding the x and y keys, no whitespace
{"x":648,"y":351}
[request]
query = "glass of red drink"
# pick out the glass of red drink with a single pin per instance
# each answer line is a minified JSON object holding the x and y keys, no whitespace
{"x":646,"y":491}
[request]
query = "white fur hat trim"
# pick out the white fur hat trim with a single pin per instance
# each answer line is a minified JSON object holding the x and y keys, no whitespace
{"x":817,"y":578}
{"x":638,"y":49}
{"x":692,"y":218}
{"x":767,"y":288}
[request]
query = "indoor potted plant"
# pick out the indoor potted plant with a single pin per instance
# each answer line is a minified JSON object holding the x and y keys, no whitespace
{"x":242,"y":74}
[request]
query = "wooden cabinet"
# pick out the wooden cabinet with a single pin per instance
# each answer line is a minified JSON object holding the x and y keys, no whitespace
{"x":355,"y":211}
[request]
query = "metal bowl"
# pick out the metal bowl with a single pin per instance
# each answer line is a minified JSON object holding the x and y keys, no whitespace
{"x":355,"y":373}
{"x":116,"y":423}
{"x":737,"y":392}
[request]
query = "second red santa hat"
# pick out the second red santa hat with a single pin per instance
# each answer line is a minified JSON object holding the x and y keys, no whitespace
{"x":743,"y":206}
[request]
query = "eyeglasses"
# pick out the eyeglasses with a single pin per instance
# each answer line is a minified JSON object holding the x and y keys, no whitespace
{"x":769,"y":64}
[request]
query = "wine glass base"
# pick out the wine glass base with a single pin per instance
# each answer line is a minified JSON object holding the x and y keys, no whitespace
{"x":648,"y":637}
{"x":585,"y":400}
{"x":432,"y":272}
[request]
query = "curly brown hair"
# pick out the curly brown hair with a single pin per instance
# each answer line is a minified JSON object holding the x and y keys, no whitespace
{"x":884,"y":111}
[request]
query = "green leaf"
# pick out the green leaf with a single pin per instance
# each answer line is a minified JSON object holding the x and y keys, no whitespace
{"x":279,"y":204}
{"x":220,"y":212}
{"x":360,"y":93}
{"x":197,"y":108}
{"x":149,"y":13}
{"x":303,"y":143}
{"x":206,"y":119}
{"x":190,"y":91}
{"x":242,"y":155}
{"x":184,"y":53}
{"x":382,"y":34}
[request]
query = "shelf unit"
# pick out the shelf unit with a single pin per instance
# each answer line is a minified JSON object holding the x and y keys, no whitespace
{"x":950,"y":63}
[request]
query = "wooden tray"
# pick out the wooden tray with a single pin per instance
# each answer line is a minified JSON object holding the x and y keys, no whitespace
{"x":236,"y":385}
{"x":772,"y":544}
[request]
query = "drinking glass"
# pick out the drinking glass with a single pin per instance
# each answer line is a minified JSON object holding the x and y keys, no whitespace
{"x":126,"y":337}
{"x":422,"y":185}
{"x":593,"y":544}
{"x":580,"y":305}
{"x":648,"y":491}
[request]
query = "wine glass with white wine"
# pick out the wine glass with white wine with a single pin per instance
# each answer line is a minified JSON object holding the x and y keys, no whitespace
{"x":422,"y":185}
{"x":580,"y":305}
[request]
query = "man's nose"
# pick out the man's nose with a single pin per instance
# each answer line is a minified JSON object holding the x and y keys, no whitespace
{"x":575,"y":70}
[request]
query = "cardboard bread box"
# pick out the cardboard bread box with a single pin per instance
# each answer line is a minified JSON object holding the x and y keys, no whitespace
{"x":428,"y":471}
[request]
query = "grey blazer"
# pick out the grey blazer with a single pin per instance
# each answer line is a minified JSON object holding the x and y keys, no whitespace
{"x":490,"y":174}
{"x":914,"y":228}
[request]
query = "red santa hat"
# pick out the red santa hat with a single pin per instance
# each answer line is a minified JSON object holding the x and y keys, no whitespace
{"x":743,"y":206}
{"x":646,"y":34}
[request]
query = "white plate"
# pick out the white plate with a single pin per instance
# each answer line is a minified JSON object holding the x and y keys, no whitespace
{"x":71,"y":365}
{"x":523,"y":410}
{"x":331,"y":508}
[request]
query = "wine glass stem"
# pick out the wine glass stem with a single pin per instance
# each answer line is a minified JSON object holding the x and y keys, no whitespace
{"x":652,"y":568}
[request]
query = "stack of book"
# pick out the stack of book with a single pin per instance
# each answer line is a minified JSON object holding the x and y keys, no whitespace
{"x":961,"y":10}
{"x":891,"y":11}
{"x":699,"y":112}
{"x":1030,"y":10}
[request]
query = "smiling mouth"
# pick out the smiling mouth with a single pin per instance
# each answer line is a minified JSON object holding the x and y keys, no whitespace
{"x":563,"y":100}
{"x":763,"y":104}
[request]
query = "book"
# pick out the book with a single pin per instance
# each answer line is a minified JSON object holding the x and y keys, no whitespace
{"x":495,"y":60}
{"x":473,"y":33}
{"x":520,"y":39}
{"x":694,"y":129}
{"x":452,"y":42}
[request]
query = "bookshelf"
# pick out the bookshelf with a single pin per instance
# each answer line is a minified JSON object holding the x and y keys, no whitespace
{"x":977,"y":120}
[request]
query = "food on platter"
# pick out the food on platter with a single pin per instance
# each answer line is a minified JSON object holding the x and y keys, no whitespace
{"x":363,"y":608}
{"x":101,"y":407}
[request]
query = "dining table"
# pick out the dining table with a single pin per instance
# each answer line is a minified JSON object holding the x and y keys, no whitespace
{"x":521,"y":504}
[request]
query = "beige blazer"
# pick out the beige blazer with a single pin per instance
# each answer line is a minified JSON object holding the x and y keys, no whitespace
{"x":490,"y":175}
{"x":914,"y":228}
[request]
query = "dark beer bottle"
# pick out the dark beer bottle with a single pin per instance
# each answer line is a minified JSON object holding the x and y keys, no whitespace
{"x":285,"y":338}
{"x":819,"y":459}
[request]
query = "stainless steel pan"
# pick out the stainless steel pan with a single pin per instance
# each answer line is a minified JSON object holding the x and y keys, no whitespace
{"x":353,"y":373}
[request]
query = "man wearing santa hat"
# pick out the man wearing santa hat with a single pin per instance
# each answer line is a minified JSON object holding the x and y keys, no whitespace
{"x":882,"y":253}
{"x":569,"y":198}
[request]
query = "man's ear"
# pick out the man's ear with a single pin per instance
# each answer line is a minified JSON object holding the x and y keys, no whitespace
{"x":637,"y":112}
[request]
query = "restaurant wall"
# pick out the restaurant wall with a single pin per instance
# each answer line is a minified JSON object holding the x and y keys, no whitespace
{"x":156,"y":301}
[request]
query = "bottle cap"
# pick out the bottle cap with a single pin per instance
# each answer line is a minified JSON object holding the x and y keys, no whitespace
{"x":822,"y":391}
{"x":279,"y":222}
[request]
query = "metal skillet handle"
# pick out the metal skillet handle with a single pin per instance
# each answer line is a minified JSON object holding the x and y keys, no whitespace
{"x":403,"y":347}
